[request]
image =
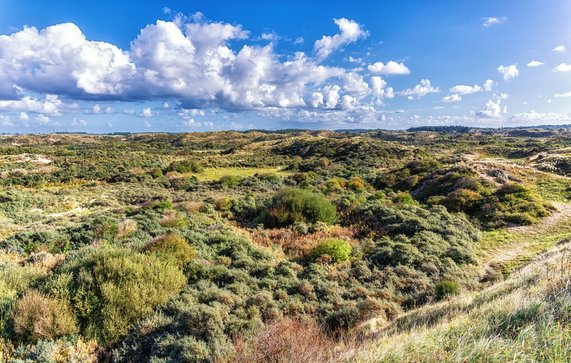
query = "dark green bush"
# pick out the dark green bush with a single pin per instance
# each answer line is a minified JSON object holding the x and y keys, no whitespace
{"x":298,"y":205}
{"x":185,"y":166}
{"x":447,"y":288}
{"x":229,"y":181}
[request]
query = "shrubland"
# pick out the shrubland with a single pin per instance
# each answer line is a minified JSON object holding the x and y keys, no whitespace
{"x":214,"y":247}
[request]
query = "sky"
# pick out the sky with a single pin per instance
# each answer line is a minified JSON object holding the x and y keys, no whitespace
{"x":180,"y":66}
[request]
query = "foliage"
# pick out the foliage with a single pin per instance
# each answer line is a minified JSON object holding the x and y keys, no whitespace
{"x":185,"y":166}
{"x":110,"y":289}
{"x":292,"y":205}
{"x":336,"y":249}
{"x":38,"y":317}
{"x":446,"y":288}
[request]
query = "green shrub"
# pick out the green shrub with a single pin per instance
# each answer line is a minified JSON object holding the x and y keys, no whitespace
{"x":171,"y":246}
{"x":229,"y":181}
{"x":339,"y":250}
{"x":185,"y":166}
{"x":297,"y":205}
{"x":40,"y":317}
{"x":156,"y":173}
{"x":403,"y":198}
{"x":446,"y":288}
{"x":113,"y":288}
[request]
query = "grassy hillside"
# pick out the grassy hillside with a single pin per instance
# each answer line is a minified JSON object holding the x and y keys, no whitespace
{"x":522,"y":319}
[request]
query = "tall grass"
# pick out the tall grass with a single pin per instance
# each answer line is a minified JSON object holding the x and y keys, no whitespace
{"x":523,"y":319}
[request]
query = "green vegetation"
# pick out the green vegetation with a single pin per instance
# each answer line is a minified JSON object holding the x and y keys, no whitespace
{"x":297,"y":205}
{"x":277,"y":246}
{"x":337,"y":250}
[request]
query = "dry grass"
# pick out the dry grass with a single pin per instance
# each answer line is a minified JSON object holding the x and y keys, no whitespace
{"x":287,"y":341}
{"x":126,"y":228}
{"x":523,"y":319}
{"x":40,"y":317}
{"x":296,"y":244}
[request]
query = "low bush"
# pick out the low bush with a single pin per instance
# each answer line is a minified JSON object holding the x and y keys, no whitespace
{"x":171,"y":246}
{"x":337,"y":249}
{"x":111,"y":288}
{"x":39,"y":317}
{"x":185,"y":166}
{"x":446,"y":288}
{"x":298,"y":205}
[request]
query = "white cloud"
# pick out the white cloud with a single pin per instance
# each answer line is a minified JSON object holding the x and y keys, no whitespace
{"x":96,"y":108}
{"x":24,"y":116}
{"x":391,"y":68}
{"x":563,"y":95}
{"x":60,"y":58}
{"x":350,"y":32}
{"x":272,"y":37}
{"x":488,"y":85}
{"x":563,"y":67}
{"x":452,"y":98}
{"x":488,"y":22}
{"x":78,"y":123}
{"x":462,"y":89}
{"x":420,"y":90}
{"x":380,"y":90}
{"x":190,"y":62}
{"x":50,"y":105}
{"x":298,"y":40}
{"x":509,"y":72}
{"x":536,"y":118}
{"x":493,"y":109}
{"x":353,"y":83}
{"x":147,"y":112}
{"x":535,"y":63}
{"x":559,"y":49}
{"x":42,"y":119}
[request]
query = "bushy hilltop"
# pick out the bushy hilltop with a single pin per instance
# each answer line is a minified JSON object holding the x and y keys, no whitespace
{"x":204,"y":247}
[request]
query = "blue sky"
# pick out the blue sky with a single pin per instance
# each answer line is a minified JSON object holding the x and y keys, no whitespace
{"x":110,"y":66}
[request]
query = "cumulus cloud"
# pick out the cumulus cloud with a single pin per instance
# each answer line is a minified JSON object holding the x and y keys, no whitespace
{"x":420,"y":90}
{"x":147,"y":112}
{"x":452,"y":98}
{"x":535,"y":63}
{"x":391,"y":68}
{"x":49,"y":105}
{"x":493,"y":109}
{"x":488,"y":22}
{"x":462,"y":89}
{"x":559,"y":49}
{"x":349,"y":32}
{"x":563,"y":67}
{"x":60,"y":59}
{"x":563,"y":95}
{"x":488,"y":85}
{"x":380,"y":90}
{"x":190,"y":62}
{"x":509,"y":72}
